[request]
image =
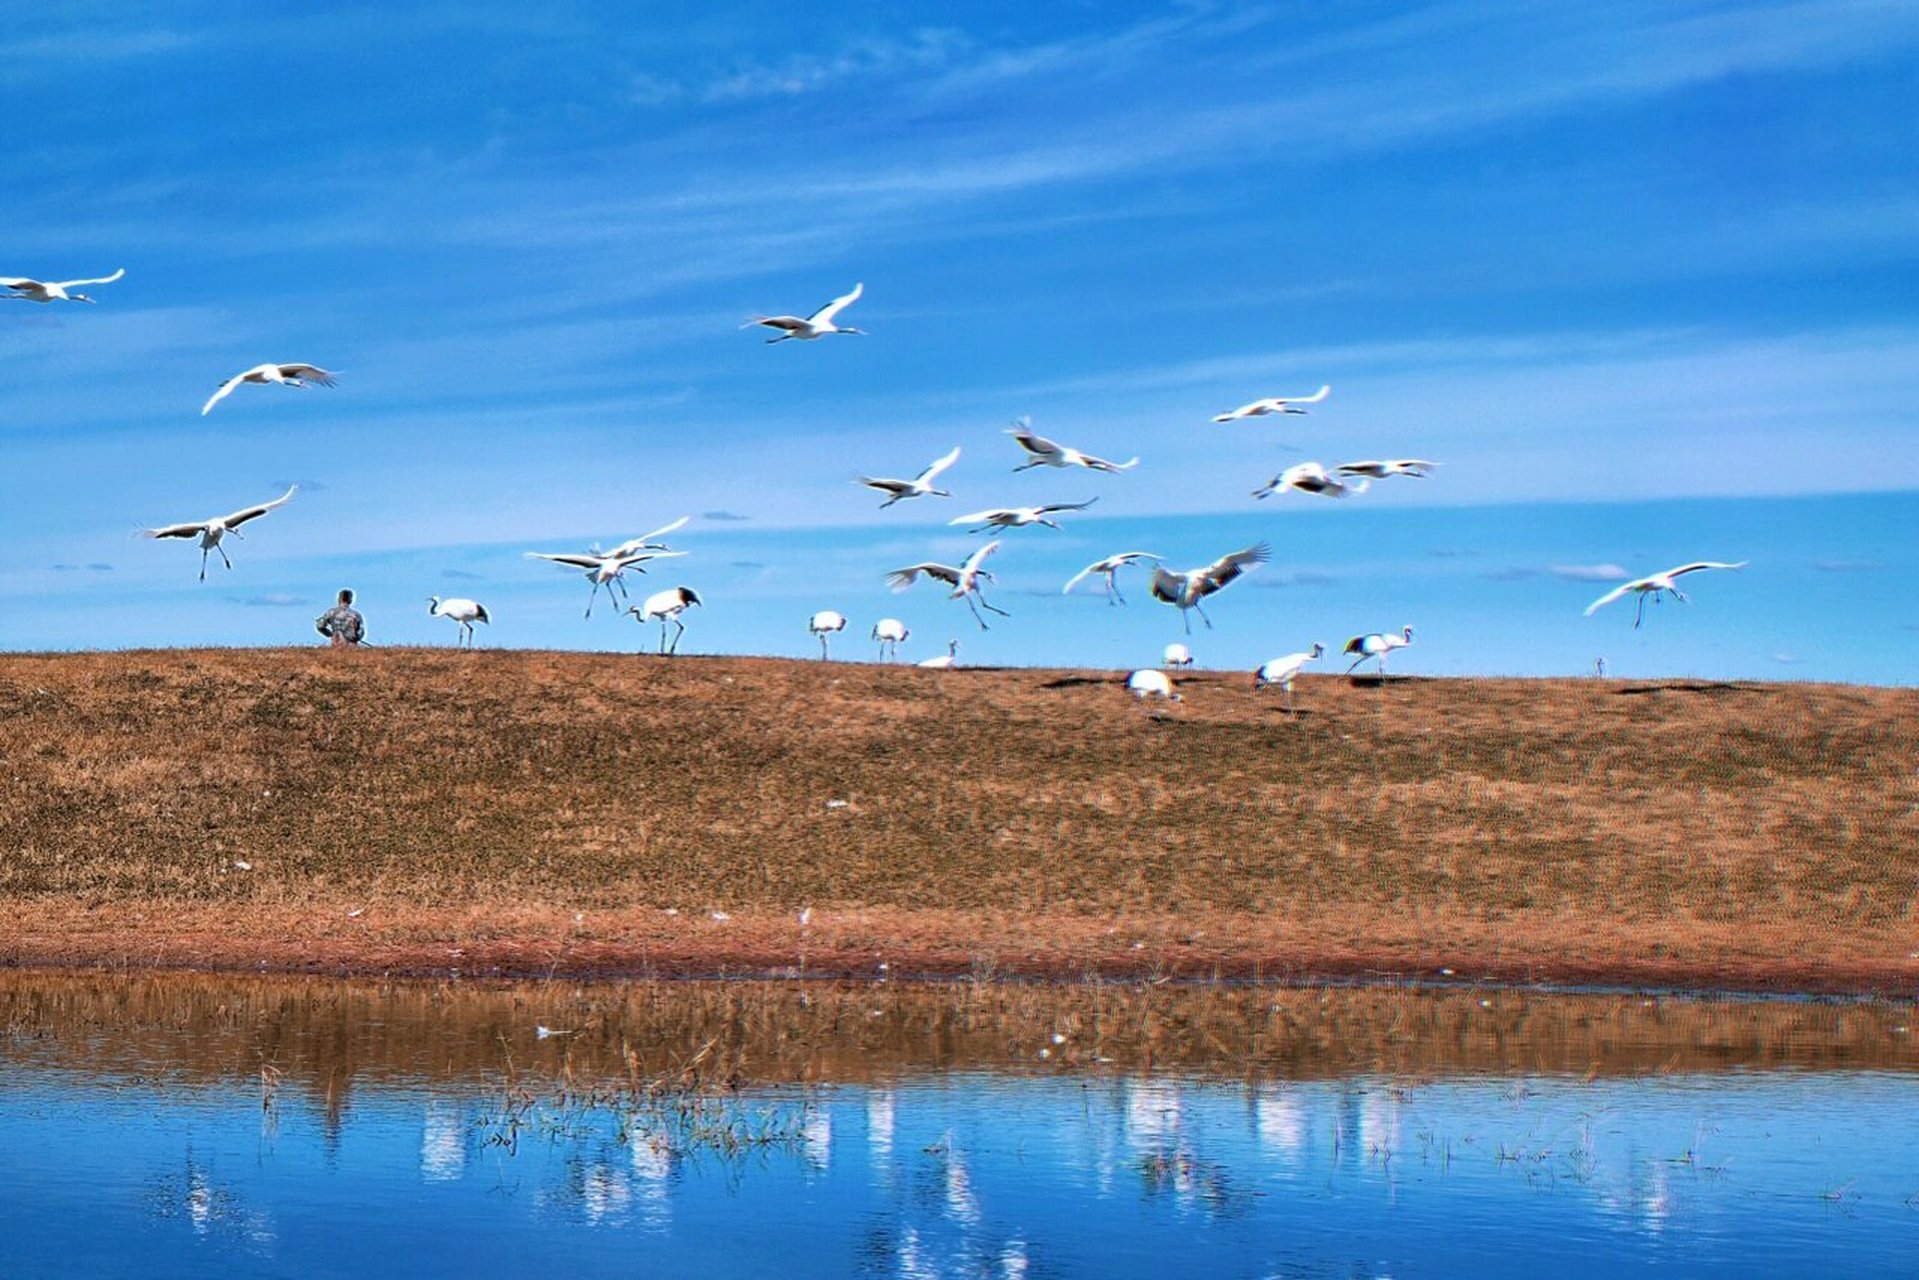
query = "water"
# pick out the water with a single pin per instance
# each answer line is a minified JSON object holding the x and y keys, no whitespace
{"x":197,"y":1126}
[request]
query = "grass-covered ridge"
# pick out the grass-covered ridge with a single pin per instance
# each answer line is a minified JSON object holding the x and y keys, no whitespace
{"x":455,"y":782}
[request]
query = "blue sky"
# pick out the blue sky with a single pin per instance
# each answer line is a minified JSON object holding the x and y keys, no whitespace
{"x":1641,"y":275}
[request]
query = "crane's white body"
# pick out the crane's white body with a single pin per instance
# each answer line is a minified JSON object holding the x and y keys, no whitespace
{"x":890,"y":632}
{"x":1017,"y":517}
{"x":1656,"y":585}
{"x":825,"y":623}
{"x":1176,"y":655}
{"x":1380,"y":468}
{"x":1149,"y":683}
{"x":946,"y":660}
{"x":644,"y":542}
{"x":287,"y":375}
{"x":817,"y":325}
{"x":1041,"y":452}
{"x":919,"y":486}
{"x":964,"y":578}
{"x":603,"y":570}
{"x":30,"y":290}
{"x":213,"y":532}
{"x":1274,"y":404}
{"x":1187,"y":588}
{"x":1110,"y":567}
{"x":664,"y":607}
{"x":1377,"y":646}
{"x":1310,"y":477}
{"x":1283,"y":671}
{"x":462,"y":610}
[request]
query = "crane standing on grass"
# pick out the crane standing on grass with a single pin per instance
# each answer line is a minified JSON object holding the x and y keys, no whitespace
{"x":461,"y":610}
{"x":666,"y":606}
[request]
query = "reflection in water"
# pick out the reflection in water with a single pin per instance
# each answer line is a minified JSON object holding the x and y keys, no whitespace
{"x":427,"y":1129}
{"x":442,"y":1142}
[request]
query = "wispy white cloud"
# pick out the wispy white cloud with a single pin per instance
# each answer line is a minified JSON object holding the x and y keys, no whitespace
{"x":1590,"y":572}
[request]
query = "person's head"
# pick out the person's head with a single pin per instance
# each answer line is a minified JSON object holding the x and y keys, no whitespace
{"x":346,"y":595}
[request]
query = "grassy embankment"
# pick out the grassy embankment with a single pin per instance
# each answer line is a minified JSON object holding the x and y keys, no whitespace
{"x":538,"y":812}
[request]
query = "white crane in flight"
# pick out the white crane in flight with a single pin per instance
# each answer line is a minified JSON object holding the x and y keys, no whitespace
{"x":964,"y":578}
{"x":1657,"y":585}
{"x":1310,"y":477}
{"x":1110,"y":566}
{"x":212,"y":533}
{"x":1018,"y":517}
{"x":1274,"y":404}
{"x":1041,"y":452}
{"x":919,"y":486}
{"x":29,"y":290}
{"x":1380,"y":468}
{"x":817,"y":325}
{"x":287,"y":375}
{"x":603,"y":570}
{"x":1186,"y":589}
{"x":645,"y":541}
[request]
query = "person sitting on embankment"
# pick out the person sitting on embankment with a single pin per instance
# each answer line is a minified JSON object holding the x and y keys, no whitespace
{"x":342,"y":624}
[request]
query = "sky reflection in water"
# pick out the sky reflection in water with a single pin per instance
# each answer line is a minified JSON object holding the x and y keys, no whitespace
{"x":124,"y":1161}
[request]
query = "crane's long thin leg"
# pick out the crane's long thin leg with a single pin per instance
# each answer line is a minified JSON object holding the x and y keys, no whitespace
{"x":1186,"y":618}
{"x":1356,"y":661}
{"x":593,"y":595}
{"x":1202,"y":615}
{"x":1639,"y":614}
{"x":223,"y":554}
{"x":662,"y":637}
{"x":822,"y":646}
{"x":969,"y":604}
{"x":995,"y":608}
{"x":676,"y":637}
{"x":203,"y":564}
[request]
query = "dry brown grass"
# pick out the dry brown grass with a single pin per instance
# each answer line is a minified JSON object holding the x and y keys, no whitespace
{"x":1522,"y":818}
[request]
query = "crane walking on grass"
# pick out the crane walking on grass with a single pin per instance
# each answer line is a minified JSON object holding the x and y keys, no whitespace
{"x":28,"y":290}
{"x":1282,"y":671}
{"x":1176,"y":655}
{"x":461,"y":610}
{"x":1110,"y":567}
{"x":817,"y":325}
{"x":666,"y":606}
{"x":212,"y":533}
{"x":1657,"y":585}
{"x":1186,"y":589}
{"x":1377,"y":646}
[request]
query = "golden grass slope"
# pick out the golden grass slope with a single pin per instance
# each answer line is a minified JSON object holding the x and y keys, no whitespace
{"x":1571,"y":828}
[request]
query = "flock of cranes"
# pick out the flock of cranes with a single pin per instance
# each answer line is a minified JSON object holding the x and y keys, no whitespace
{"x":605,"y":570}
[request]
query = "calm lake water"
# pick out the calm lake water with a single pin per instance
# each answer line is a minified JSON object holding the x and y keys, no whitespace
{"x":200,"y":1126}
